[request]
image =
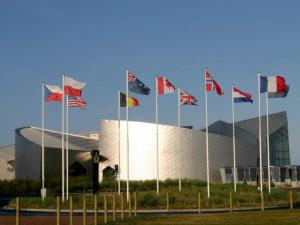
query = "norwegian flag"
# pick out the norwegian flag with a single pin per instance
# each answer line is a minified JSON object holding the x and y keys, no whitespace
{"x":164,"y":86}
{"x":75,"y":101}
{"x":186,"y":99}
{"x":208,"y":81}
{"x":211,"y":84}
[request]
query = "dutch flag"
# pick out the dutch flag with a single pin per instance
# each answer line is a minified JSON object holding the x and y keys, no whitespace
{"x":240,"y":96}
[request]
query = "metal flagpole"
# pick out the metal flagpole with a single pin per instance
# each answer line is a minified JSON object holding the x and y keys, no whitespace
{"x":119,"y":116}
{"x":67,"y":148}
{"x":127,"y":137}
{"x":268,"y":143}
{"x":62,"y":142}
{"x":179,"y":129}
{"x":259,"y":133}
{"x":43,"y":144}
{"x":233,"y":140}
{"x":206,"y":131}
{"x":157,"y":152}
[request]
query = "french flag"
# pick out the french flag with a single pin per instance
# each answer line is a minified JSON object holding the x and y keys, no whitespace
{"x":53,"y":93}
{"x":240,"y":96}
{"x":272,"y":84}
{"x":73,"y":87}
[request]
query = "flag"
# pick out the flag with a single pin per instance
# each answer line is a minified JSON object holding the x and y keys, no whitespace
{"x":280,"y":94}
{"x":272,"y":84}
{"x":240,"y":96}
{"x":73,"y":87}
{"x":75,"y":101}
{"x":186,"y":99}
{"x":164,"y":86}
{"x":211,"y":84}
{"x":53,"y":93}
{"x":208,"y":81}
{"x":136,"y":86}
{"x":217,"y":88}
{"x":132,"y":102}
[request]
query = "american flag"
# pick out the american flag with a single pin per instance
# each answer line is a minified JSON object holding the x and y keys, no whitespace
{"x":208,"y":81}
{"x":186,"y":98}
{"x":75,"y":101}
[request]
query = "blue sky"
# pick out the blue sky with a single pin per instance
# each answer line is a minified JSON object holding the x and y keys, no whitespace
{"x":95,"y":41}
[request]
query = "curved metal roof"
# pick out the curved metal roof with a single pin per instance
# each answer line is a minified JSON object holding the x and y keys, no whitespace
{"x":52,"y":139}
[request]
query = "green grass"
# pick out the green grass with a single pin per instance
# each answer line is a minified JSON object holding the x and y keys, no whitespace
{"x":275,"y":217}
{"x":147,"y":198}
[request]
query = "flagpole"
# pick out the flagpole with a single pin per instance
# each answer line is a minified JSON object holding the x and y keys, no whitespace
{"x":268,"y":143}
{"x":259,"y":133}
{"x":157,"y":152}
{"x":207,"y":156}
{"x":233,"y":140}
{"x":67,"y":148}
{"x":127,"y":138}
{"x":62,"y":142}
{"x":119,"y":116}
{"x":179,"y":129}
{"x":43,"y":144}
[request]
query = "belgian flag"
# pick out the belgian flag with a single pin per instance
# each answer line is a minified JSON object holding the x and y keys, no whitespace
{"x":132,"y":102}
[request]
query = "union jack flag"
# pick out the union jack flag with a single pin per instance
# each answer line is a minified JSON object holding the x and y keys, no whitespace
{"x":186,"y":98}
{"x":131,"y":76}
{"x":76,"y":102}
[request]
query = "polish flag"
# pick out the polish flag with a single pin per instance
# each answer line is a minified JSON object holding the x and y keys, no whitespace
{"x":53,"y":93}
{"x":164,"y":86}
{"x":73,"y":87}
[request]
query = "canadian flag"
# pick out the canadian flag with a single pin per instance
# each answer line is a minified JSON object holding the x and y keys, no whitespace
{"x":73,"y":87}
{"x":164,"y":86}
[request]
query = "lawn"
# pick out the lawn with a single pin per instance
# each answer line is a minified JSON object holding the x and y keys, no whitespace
{"x":274,"y":217}
{"x":246,"y":196}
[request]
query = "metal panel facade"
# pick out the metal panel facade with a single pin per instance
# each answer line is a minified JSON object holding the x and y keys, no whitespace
{"x":142,"y":151}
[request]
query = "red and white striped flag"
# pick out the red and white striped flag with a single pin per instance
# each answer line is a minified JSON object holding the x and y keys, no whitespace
{"x":75,"y":101}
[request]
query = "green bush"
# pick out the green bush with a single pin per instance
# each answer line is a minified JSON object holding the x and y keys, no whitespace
{"x":19,"y":188}
{"x":148,"y":200}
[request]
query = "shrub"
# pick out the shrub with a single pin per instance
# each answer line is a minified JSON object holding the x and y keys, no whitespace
{"x":148,"y":200}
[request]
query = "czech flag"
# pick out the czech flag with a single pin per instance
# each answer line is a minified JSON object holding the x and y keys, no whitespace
{"x":272,"y":84}
{"x":53,"y":93}
{"x":73,"y":87}
{"x":240,"y":96}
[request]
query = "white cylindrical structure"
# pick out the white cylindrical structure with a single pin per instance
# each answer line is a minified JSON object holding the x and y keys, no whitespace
{"x":63,"y":141}
{"x":268,"y":143}
{"x":206,"y":138}
{"x":259,"y":138}
{"x":43,"y":144}
{"x":67,"y":148}
{"x":119,"y":163}
{"x":157,"y":147}
{"x":233,"y":141}
{"x":179,"y":145}
{"x":127,"y":139}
